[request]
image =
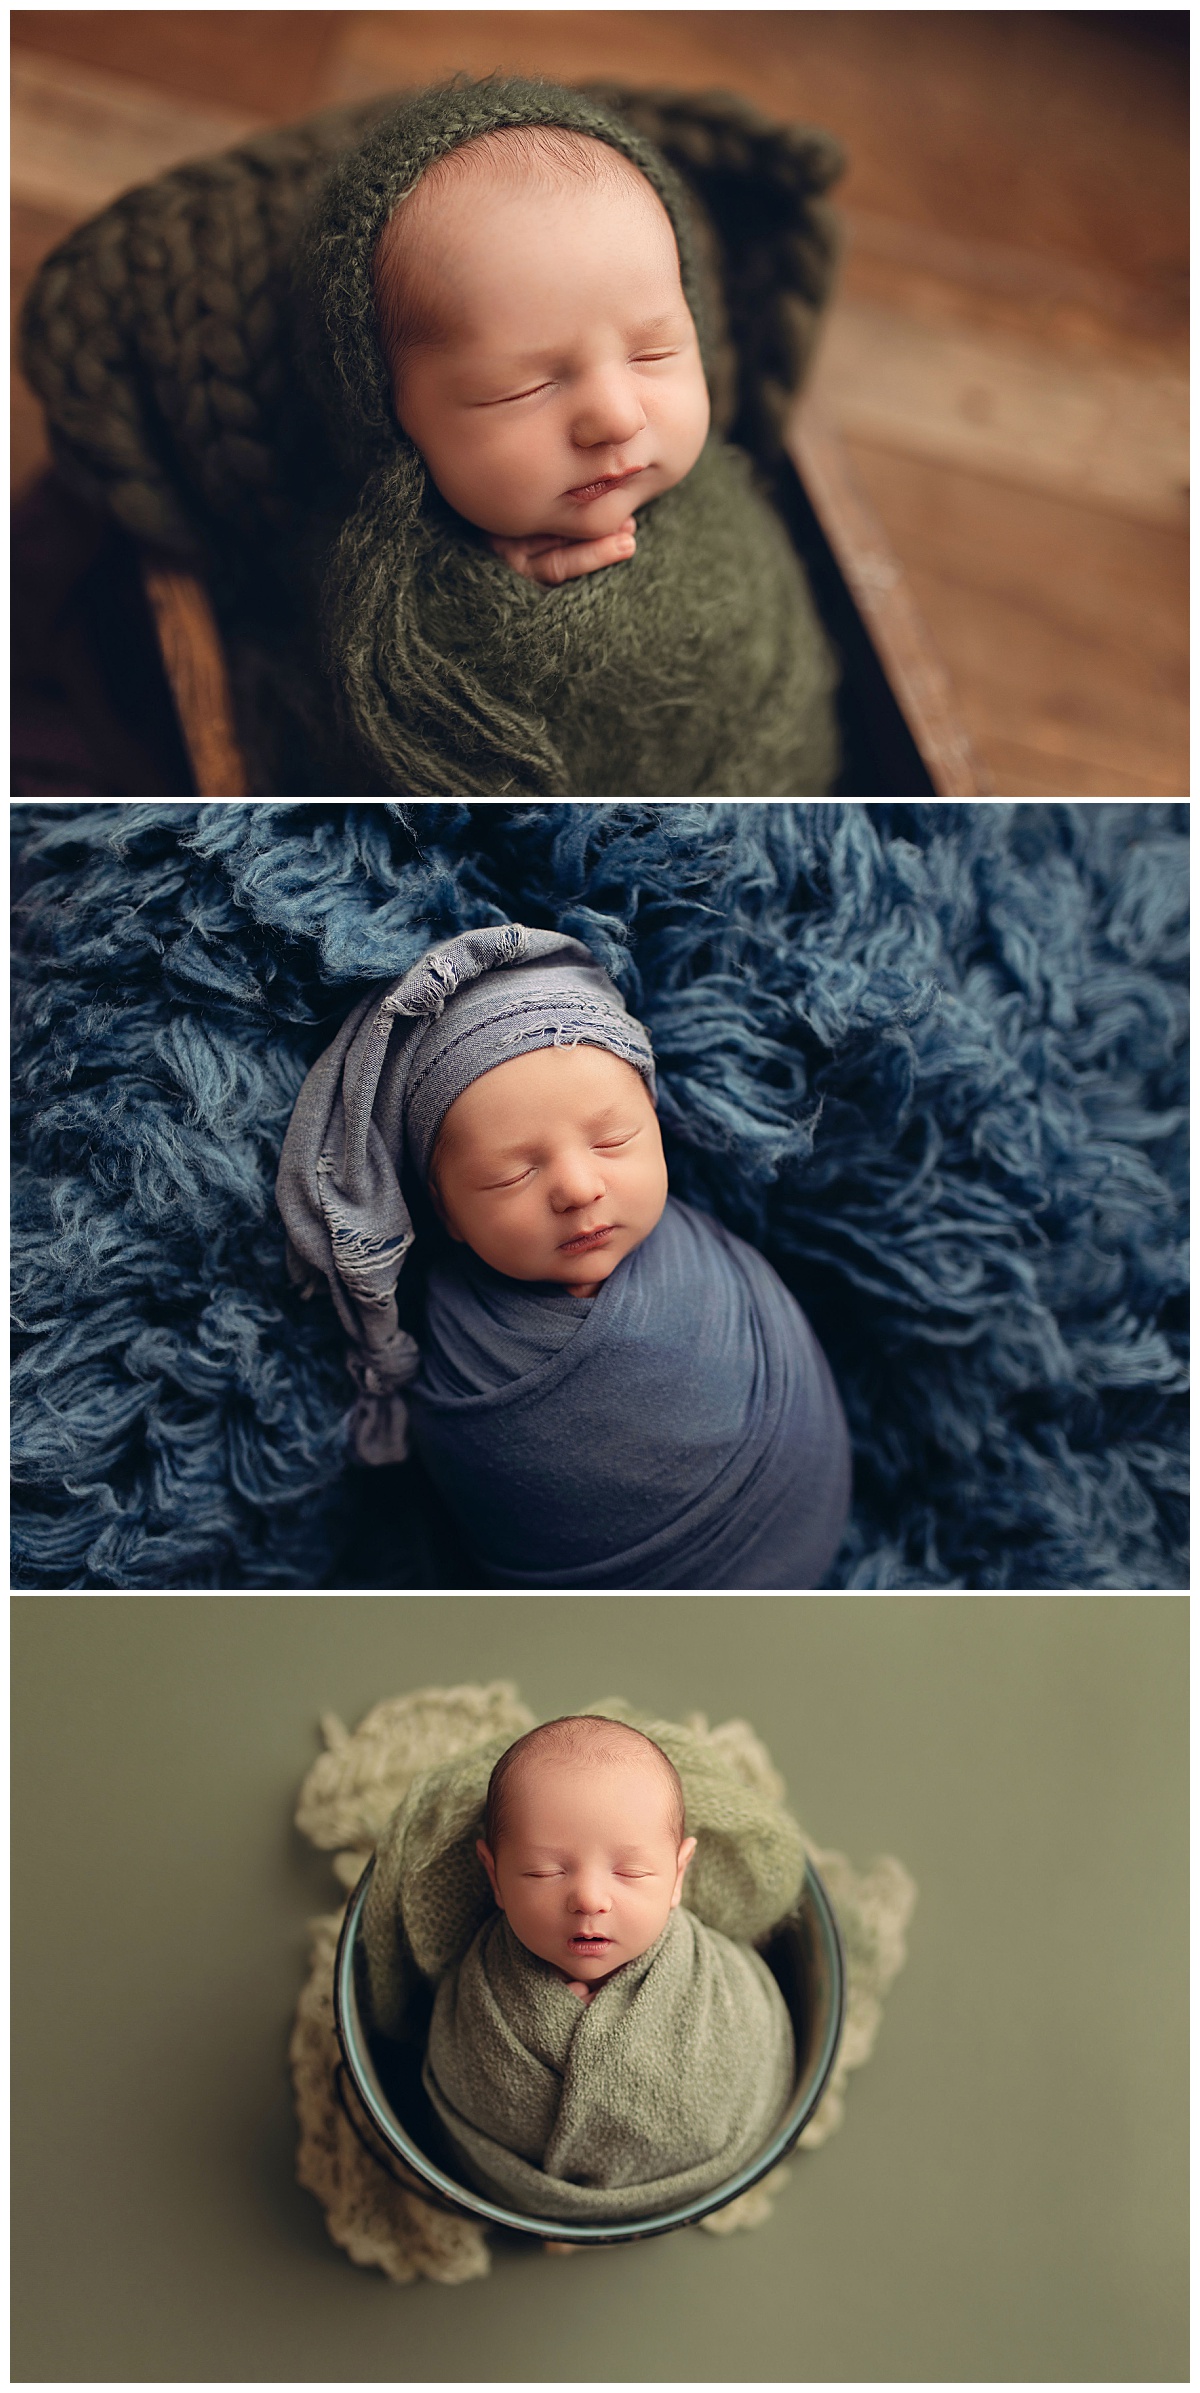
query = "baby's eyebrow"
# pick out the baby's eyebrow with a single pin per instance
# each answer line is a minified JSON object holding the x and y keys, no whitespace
{"x":525,"y":1146}
{"x":622,"y":1852}
{"x":523,"y":360}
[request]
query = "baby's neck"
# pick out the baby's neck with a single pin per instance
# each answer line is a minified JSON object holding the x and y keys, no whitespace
{"x":577,"y":1986}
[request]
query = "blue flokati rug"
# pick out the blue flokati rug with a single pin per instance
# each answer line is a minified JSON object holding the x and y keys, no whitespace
{"x":931,"y":1058}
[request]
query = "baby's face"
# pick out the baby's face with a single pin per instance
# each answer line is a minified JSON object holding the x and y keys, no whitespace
{"x":568,"y":388}
{"x":588,"y":1869}
{"x":551,"y":1167}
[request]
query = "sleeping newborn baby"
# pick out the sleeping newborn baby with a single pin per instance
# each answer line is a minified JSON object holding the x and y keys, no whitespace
{"x":599,"y":2052}
{"x":503,"y":324}
{"x":541,"y":352}
{"x":609,"y":1389}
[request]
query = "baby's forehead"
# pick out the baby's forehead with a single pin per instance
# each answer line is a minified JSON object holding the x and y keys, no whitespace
{"x":450,"y":212}
{"x":543,"y":161}
{"x":584,"y":1084}
{"x":540,"y":1780}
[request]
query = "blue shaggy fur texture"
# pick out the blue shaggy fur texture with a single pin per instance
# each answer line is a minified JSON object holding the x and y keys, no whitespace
{"x":931,"y":1058}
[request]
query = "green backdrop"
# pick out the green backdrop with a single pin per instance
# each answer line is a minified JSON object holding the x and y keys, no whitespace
{"x":1007,"y":2197}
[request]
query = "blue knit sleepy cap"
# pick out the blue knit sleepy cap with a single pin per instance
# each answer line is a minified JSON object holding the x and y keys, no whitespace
{"x":376,"y":1099}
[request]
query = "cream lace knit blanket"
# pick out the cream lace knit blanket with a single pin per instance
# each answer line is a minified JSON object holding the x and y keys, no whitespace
{"x":345,"y":1803}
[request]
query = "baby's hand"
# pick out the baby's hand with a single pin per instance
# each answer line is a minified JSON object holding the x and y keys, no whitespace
{"x":554,"y":560}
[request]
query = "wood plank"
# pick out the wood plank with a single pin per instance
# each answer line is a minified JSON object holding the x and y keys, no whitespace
{"x":1064,"y":627}
{"x":269,"y":62}
{"x":1024,"y":772}
{"x":196,"y":671}
{"x":941,"y":276}
{"x":1012,"y":176}
{"x":81,"y":136}
{"x":996,"y":404}
{"x":885,"y":602}
{"x":385,"y":48}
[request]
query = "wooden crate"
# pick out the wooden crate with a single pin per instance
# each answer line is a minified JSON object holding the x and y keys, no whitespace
{"x":900,"y":734}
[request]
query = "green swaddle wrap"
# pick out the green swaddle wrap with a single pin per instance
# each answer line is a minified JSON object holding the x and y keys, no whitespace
{"x":207,"y":353}
{"x":699,"y":668}
{"x":682,"y":2063}
{"x":655,"y":2091}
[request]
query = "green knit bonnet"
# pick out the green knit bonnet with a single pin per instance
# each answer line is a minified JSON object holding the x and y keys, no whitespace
{"x":335,"y":299}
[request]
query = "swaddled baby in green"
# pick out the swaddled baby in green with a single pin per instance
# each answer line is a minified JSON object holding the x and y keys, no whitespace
{"x":599,"y":2052}
{"x":557,"y":578}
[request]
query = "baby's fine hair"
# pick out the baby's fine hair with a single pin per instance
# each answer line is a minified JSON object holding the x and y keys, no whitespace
{"x":408,"y":304}
{"x":592,"y":1738}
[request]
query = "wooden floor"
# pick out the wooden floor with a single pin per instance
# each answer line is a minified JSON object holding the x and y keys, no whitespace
{"x":1006,"y":361}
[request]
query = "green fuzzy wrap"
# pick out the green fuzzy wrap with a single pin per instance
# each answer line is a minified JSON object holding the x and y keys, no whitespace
{"x":207,"y":353}
{"x":669,"y":2080}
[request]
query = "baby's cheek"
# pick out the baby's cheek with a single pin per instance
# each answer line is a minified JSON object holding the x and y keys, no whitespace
{"x":699,"y":417}
{"x":508,"y":443}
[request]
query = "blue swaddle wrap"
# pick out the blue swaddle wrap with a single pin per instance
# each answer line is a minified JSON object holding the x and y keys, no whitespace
{"x":679,"y":1429}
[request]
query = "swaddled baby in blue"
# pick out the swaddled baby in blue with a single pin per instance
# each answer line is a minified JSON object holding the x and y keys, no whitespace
{"x":609,"y":1389}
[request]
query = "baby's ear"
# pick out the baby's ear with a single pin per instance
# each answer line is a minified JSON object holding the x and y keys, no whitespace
{"x":488,"y":1859}
{"x":440,"y":1210}
{"x":686,"y":1851}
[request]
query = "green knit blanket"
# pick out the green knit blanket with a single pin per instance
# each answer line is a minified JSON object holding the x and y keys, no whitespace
{"x":655,"y":2091}
{"x":207,"y":356}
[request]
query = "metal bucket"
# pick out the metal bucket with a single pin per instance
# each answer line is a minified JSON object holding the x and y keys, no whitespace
{"x":394,"y":2120}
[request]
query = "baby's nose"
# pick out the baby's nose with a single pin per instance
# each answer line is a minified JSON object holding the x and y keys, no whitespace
{"x":609,"y":413}
{"x":590,"y":1901}
{"x":579,"y":1181}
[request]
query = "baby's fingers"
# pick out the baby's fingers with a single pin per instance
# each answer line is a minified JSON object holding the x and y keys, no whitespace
{"x":568,"y":564}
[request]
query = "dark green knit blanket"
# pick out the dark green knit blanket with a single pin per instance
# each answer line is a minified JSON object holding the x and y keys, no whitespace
{"x":206,"y":351}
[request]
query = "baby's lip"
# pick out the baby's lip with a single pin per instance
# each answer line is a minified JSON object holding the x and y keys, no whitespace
{"x":585,"y":1238}
{"x":603,"y":482}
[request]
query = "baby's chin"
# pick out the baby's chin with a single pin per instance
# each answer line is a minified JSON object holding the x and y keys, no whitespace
{"x":554,"y":516}
{"x":589,"y":519}
{"x":559,"y":1270}
{"x":593,"y":519}
{"x":589,"y":1271}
